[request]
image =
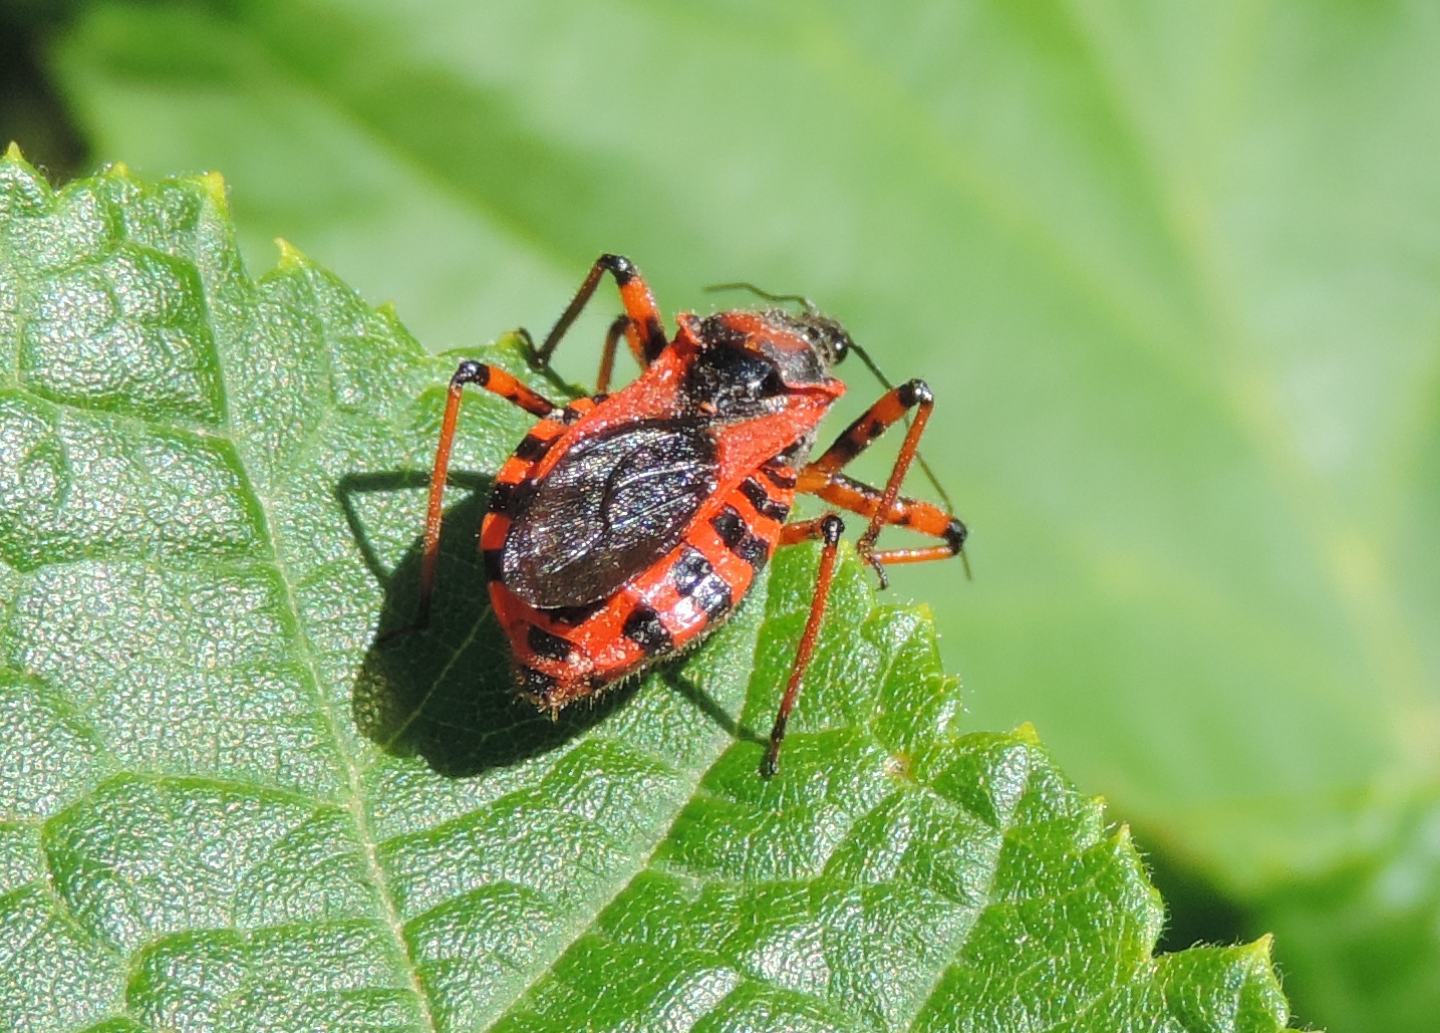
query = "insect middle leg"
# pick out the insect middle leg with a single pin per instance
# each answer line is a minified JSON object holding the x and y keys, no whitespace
{"x":885,"y":506}
{"x":491,"y":379}
{"x":827,"y":528}
{"x":641,"y":324}
{"x":621,"y":326}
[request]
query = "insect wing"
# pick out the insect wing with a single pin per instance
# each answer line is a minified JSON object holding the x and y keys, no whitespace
{"x":611,"y":506}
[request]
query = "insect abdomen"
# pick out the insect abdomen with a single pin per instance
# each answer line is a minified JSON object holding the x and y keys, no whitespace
{"x":562,"y":654}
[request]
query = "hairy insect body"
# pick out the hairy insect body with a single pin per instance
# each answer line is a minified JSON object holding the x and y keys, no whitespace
{"x":622,"y":535}
{"x":627,"y":525}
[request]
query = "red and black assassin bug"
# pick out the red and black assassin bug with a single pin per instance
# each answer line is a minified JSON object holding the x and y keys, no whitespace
{"x":626,"y":526}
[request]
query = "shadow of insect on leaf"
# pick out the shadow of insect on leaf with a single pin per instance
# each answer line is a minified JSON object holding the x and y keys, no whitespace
{"x":446,"y":692}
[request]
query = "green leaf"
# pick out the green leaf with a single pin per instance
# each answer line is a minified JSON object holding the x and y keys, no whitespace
{"x":1170,"y":269}
{"x":224,"y":805}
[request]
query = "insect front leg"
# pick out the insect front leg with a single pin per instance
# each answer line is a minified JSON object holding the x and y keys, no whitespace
{"x":885,"y":506}
{"x":925,"y":517}
{"x":827,"y":528}
{"x":491,"y":379}
{"x":641,"y":324}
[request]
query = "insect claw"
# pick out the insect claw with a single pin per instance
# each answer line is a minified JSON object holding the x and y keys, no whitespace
{"x":770,"y":763}
{"x":866,"y":551}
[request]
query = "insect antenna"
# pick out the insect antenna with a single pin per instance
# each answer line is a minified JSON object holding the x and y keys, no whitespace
{"x":742,"y":285}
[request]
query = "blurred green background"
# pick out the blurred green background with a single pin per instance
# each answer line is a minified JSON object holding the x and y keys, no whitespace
{"x":1173,"y":270}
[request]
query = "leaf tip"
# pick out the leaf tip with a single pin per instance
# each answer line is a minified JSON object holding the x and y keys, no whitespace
{"x":291,"y":257}
{"x":116,"y":170}
{"x":213,"y":183}
{"x":12,"y":152}
{"x":1026,"y":733}
{"x":1260,"y":951}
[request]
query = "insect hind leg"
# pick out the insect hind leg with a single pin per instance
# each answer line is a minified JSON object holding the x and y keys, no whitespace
{"x":496,"y":381}
{"x":828,"y":529}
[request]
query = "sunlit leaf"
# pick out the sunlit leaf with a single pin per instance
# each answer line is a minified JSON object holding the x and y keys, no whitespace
{"x":1170,"y":269}
{"x":226,"y":803}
